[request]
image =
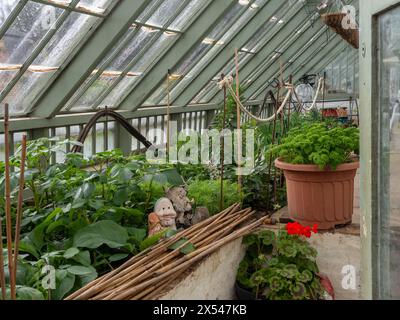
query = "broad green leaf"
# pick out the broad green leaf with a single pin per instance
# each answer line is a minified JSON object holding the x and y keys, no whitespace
{"x":96,"y":204}
{"x":80,"y":270}
{"x":26,"y":245}
{"x":78,"y":203}
{"x":64,"y":283}
{"x":83,"y":257}
{"x":99,"y":233}
{"x":71,"y":252}
{"x":150,"y":241}
{"x":137,"y":234}
{"x":186,"y":249}
{"x":173,"y":177}
{"x":121,"y":196}
{"x":118,"y":256}
{"x":28,"y":293}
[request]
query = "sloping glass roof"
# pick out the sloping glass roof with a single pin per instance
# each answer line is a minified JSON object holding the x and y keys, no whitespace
{"x":134,"y":43}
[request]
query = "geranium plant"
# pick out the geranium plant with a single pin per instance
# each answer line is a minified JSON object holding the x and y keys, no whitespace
{"x":281,"y":266}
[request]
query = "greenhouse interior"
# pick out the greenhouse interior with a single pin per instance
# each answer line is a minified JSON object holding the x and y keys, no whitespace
{"x":199,"y":150}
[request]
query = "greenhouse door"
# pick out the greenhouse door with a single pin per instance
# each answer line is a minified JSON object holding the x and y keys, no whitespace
{"x":380,"y":60}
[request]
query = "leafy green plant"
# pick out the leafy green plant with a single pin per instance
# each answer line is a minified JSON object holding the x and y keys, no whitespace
{"x":207,"y":193}
{"x":83,"y":217}
{"x":323,"y":144}
{"x":280,"y":267}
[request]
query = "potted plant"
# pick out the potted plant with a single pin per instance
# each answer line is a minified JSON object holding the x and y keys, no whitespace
{"x":281,"y":266}
{"x":319,"y":163}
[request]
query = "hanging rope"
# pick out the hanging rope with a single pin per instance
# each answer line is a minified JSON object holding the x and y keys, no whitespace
{"x":226,"y":82}
{"x":319,"y":88}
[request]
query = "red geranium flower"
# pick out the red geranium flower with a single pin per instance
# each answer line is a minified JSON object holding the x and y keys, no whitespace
{"x":295,"y":228}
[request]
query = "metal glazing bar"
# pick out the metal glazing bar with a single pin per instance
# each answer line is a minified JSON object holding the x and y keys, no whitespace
{"x":227,"y":27}
{"x":89,"y":56}
{"x":76,"y":9}
{"x":138,"y":56}
{"x":262,"y":54}
{"x":12,"y":16}
{"x":121,"y":46}
{"x":198,"y":30}
{"x":42,"y":43}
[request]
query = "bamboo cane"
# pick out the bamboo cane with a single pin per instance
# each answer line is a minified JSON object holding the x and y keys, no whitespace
{"x":147,"y":255}
{"x":8,"y":201}
{"x":143,"y":272}
{"x":187,"y":260}
{"x":222,"y":155}
{"x":154,"y":272}
{"x":19,"y":207}
{"x":2,"y":277}
{"x":238,"y":115}
{"x":171,"y":275}
{"x":128,"y":274}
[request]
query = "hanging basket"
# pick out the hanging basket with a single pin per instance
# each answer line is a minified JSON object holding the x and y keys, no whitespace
{"x":334,"y":21}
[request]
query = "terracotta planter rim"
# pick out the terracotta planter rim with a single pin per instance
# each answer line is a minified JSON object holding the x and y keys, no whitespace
{"x":315,"y":168}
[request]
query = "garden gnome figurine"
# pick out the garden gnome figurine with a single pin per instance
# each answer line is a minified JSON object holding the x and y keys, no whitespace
{"x":154,"y":224}
{"x":163,"y":216}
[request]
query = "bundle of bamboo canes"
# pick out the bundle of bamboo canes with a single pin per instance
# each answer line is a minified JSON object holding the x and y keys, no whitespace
{"x":149,"y":273}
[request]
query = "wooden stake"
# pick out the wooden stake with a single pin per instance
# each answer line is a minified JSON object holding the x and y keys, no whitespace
{"x":19,"y":207}
{"x":2,"y":278}
{"x":8,"y":201}
{"x":238,"y":125}
{"x":222,"y":155}
{"x":168,"y":114}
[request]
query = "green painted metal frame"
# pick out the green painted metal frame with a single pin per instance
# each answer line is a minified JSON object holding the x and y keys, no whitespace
{"x":175,"y":84}
{"x":310,"y":51}
{"x":42,"y":43}
{"x":227,"y":51}
{"x":196,"y":86}
{"x":170,"y":20}
{"x":303,"y":45}
{"x":21,"y":124}
{"x":93,"y":51}
{"x":306,"y":61}
{"x":194,"y":35}
{"x":12,"y":16}
{"x":109,"y":61}
{"x":374,"y":279}
{"x":261,"y":83}
{"x":66,"y":7}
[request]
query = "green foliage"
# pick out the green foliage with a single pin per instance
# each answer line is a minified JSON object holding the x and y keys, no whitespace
{"x":86,"y":216}
{"x":207,"y":194}
{"x":323,"y":144}
{"x":280,"y":267}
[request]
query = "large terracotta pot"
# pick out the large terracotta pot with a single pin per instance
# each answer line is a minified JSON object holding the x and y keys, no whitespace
{"x":320,"y":196}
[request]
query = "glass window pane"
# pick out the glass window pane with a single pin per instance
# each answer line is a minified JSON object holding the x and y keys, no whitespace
{"x":6,"y":6}
{"x":389,"y":145}
{"x":187,"y":14}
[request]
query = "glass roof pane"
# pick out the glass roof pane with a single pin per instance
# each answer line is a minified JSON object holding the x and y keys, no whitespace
{"x":6,"y":6}
{"x":30,"y":82}
{"x":54,"y":55}
{"x":187,"y":14}
{"x":273,"y":25}
{"x":100,"y":5}
{"x":66,"y":39}
{"x":28,"y":29}
{"x":235,"y":19}
{"x":124,"y":87}
{"x":163,"y":12}
{"x":120,"y":63}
